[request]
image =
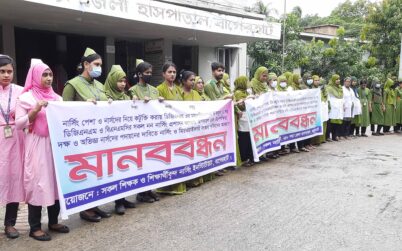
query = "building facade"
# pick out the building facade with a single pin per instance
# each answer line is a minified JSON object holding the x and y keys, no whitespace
{"x":192,"y":34}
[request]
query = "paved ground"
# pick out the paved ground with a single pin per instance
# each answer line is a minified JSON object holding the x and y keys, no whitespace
{"x":342,"y":196}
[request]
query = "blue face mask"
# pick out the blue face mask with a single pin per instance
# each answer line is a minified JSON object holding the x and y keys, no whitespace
{"x":309,"y":81}
{"x":96,"y":72}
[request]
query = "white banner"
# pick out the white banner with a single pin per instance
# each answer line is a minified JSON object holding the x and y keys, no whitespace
{"x":107,"y":151}
{"x":278,"y":118}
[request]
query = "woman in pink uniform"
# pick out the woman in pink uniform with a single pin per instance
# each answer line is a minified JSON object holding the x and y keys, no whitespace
{"x":12,"y":148}
{"x":39,"y":174}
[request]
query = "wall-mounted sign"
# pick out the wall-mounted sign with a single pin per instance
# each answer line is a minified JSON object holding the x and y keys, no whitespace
{"x":173,"y":15}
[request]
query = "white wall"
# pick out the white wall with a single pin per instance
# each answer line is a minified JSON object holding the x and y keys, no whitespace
{"x":243,"y":67}
{"x":206,"y":55}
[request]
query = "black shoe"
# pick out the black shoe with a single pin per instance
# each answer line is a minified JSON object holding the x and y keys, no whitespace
{"x":128,"y":204}
{"x":153,"y":195}
{"x":101,"y":213}
{"x":11,"y":232}
{"x":44,"y":237}
{"x":119,"y":209}
{"x":219,"y":173}
{"x":231,"y":168}
{"x":364,"y":135}
{"x":91,"y":218}
{"x":145,"y":197}
{"x":61,"y":229}
{"x":273,"y":156}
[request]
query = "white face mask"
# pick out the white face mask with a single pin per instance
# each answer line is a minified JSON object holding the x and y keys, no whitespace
{"x":309,"y":81}
{"x":274,"y":84}
{"x":283,"y":84}
{"x":377,"y":85}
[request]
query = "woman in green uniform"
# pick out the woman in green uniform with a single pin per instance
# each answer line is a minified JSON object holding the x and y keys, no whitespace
{"x":377,"y":107}
{"x":115,"y":85}
{"x":272,"y":82}
{"x":143,"y":90}
{"x":364,"y":96}
{"x":187,"y":79}
{"x":390,"y":105}
{"x":354,"y":127}
{"x":283,"y":87}
{"x":169,"y":91}
{"x":85,"y":87}
{"x":398,"y":116}
{"x":335,"y":91}
{"x":226,"y":82}
{"x":259,"y":82}
{"x":324,"y":100}
{"x":243,"y":129}
{"x":199,"y":87}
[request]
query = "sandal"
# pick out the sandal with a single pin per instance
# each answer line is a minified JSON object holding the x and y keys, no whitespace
{"x":11,"y":232}
{"x":248,"y":164}
{"x":59,"y":228}
{"x":43,"y":237}
{"x":303,"y":149}
{"x":153,"y":195}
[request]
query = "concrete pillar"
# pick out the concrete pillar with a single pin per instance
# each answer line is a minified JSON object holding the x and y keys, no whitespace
{"x":242,"y":63}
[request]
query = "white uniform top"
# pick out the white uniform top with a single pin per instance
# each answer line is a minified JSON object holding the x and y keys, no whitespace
{"x":348,"y":97}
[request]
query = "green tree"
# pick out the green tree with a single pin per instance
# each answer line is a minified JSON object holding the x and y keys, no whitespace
{"x":382,"y":30}
{"x":269,"y":53}
{"x":348,"y":14}
{"x":264,"y":9}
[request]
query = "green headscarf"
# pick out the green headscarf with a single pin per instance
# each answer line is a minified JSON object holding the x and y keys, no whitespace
{"x":116,"y":73}
{"x":240,"y":92}
{"x":304,"y":85}
{"x":391,"y":94}
{"x":257,"y":86}
{"x":333,"y":88}
{"x":225,"y":81}
{"x":201,"y":92}
{"x":306,"y":76}
{"x":289,"y":77}
{"x":324,"y":93}
{"x":281,"y":78}
{"x":272,"y":76}
{"x":241,"y":88}
{"x":295,"y":82}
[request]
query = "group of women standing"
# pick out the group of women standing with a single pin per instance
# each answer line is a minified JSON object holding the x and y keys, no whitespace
{"x":27,"y":171}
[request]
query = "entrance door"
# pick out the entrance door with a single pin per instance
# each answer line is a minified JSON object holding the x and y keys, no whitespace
{"x":186,"y":57}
